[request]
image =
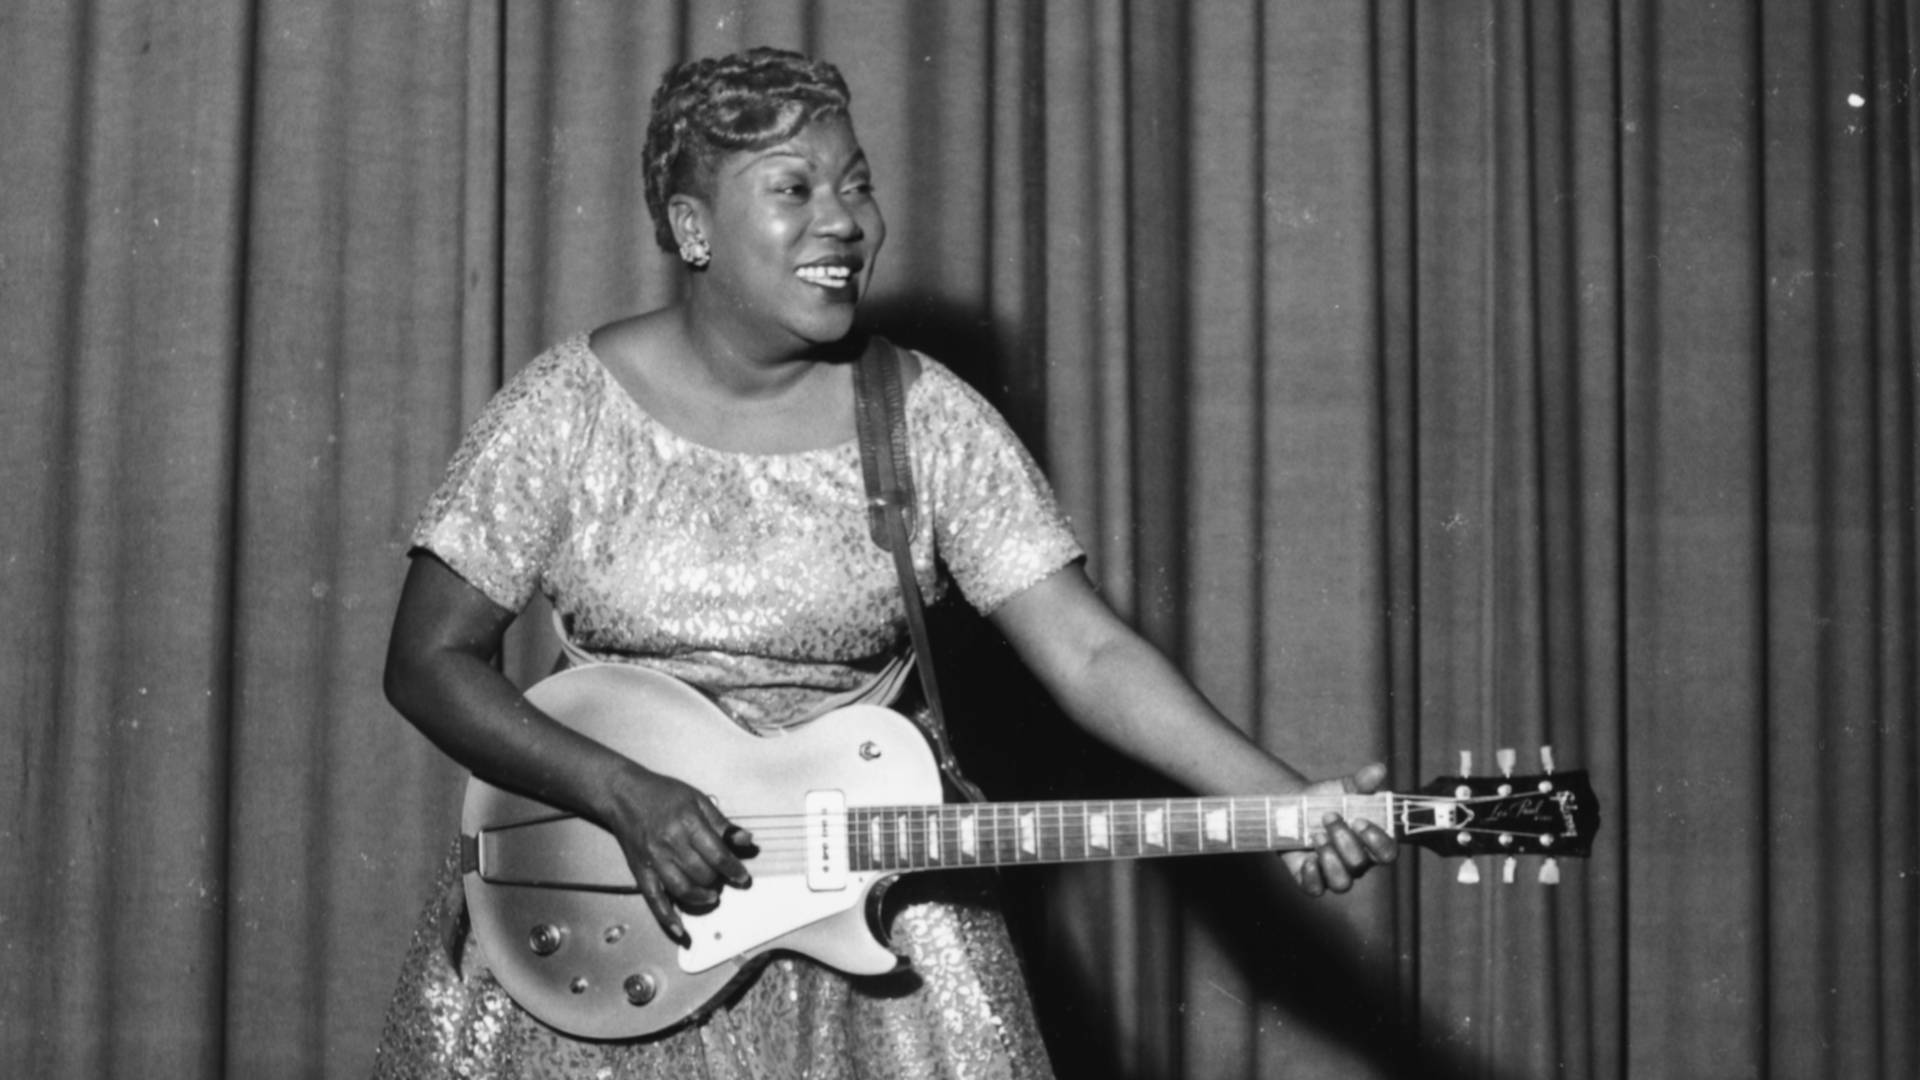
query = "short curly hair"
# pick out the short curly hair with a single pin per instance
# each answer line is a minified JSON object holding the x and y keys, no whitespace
{"x":706,"y":109}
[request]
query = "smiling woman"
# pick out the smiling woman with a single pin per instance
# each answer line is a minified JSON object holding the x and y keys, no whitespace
{"x":686,"y":489}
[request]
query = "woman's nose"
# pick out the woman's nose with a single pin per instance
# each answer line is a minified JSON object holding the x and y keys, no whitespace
{"x":833,"y":217}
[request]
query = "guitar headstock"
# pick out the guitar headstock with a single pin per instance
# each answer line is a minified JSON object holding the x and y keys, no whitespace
{"x":1553,"y":814}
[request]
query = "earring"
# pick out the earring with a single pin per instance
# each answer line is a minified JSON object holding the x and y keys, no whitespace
{"x":695,"y":252}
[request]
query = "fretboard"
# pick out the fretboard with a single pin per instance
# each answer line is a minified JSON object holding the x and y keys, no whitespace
{"x":896,"y":838}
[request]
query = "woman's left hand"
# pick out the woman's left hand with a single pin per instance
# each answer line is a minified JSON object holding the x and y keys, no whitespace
{"x":1349,"y":848}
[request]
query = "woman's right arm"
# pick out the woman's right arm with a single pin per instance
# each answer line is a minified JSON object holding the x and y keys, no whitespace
{"x":440,"y":676}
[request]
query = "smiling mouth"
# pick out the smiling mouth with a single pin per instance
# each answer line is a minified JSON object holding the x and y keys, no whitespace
{"x":826,"y":275}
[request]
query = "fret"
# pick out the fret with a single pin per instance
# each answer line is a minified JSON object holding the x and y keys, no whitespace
{"x":1235,"y":841}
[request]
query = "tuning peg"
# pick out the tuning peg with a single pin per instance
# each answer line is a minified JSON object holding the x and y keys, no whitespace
{"x":1469,"y":873}
{"x":1508,"y":869}
{"x":1546,"y":760}
{"x":1506,"y":757}
{"x":1550,"y":872}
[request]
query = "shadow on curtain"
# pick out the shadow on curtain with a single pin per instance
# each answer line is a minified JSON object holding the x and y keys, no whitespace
{"x":1424,"y":377}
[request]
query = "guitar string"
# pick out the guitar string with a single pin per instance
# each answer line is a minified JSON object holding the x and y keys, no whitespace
{"x":1068,"y":814}
{"x":1027,"y":829}
{"x":1073,"y":808}
{"x":1008,"y":834}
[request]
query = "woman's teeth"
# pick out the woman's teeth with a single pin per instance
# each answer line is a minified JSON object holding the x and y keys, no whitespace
{"x":832,"y":277}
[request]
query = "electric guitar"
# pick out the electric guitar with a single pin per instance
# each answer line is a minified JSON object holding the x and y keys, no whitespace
{"x":838,"y":808}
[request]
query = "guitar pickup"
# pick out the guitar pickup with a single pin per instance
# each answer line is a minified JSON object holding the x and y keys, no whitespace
{"x":826,"y":843}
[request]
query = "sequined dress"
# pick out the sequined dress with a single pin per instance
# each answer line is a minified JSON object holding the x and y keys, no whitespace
{"x":753,"y":578}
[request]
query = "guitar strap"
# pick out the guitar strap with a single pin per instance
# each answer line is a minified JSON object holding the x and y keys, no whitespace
{"x":881,"y":417}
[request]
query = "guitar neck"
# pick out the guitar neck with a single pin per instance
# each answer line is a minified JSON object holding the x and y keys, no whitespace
{"x":900,"y":838}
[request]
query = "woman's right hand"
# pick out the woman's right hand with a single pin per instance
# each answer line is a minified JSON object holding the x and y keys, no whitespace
{"x":679,"y":846}
{"x":440,"y":676}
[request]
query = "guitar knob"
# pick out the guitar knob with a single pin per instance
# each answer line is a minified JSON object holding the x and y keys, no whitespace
{"x":545,"y":939}
{"x":641,"y":988}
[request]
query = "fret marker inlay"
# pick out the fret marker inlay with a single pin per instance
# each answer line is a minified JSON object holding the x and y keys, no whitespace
{"x":1217,"y":826}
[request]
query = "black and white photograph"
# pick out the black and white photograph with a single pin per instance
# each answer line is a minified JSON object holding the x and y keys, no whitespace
{"x":960,"y":539}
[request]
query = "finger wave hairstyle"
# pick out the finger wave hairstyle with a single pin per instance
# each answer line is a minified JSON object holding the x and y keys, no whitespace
{"x":706,"y":109}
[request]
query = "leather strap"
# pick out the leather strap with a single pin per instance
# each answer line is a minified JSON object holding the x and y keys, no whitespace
{"x":881,"y":416}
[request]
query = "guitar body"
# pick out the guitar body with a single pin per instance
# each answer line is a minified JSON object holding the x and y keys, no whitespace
{"x":550,"y":897}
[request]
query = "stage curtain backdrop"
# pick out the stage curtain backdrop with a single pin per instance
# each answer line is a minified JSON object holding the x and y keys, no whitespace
{"x":1425,"y":377}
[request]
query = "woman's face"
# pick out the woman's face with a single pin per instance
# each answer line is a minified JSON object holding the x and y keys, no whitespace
{"x":794,"y":230}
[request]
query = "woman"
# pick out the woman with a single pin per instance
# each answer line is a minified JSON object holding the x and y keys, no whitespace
{"x":685,"y":487}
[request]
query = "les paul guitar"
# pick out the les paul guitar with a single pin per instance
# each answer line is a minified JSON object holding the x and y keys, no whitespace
{"x":838,"y":808}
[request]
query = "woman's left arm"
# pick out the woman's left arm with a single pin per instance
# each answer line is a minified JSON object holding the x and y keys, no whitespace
{"x":1124,"y":691}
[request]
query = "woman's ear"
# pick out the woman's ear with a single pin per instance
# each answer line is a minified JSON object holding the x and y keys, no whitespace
{"x":687,"y":217}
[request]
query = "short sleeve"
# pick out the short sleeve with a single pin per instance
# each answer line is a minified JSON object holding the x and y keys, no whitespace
{"x":997,"y":524}
{"x":500,"y":514}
